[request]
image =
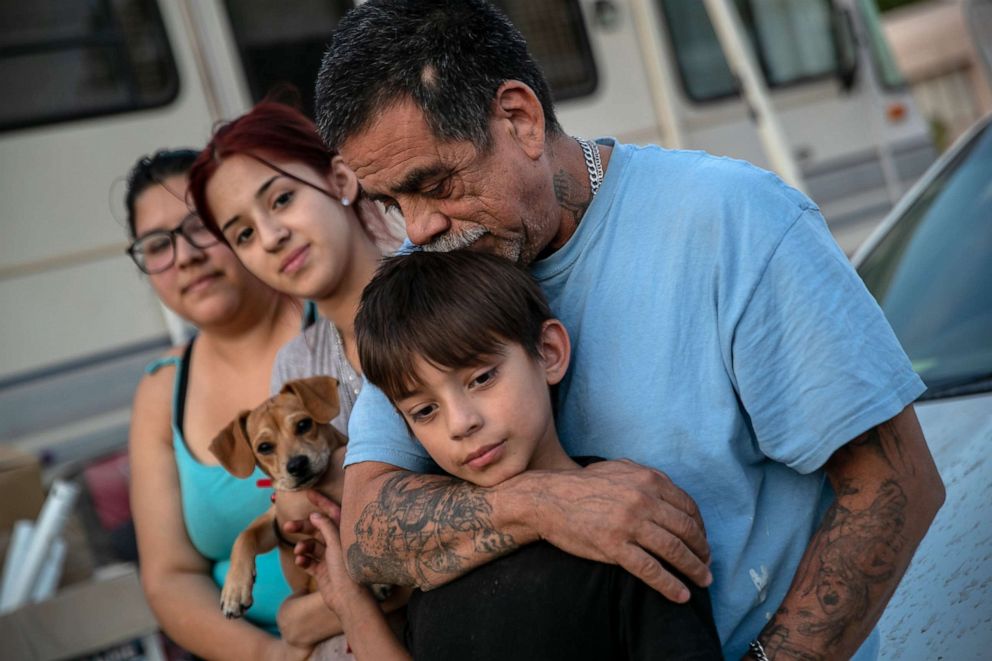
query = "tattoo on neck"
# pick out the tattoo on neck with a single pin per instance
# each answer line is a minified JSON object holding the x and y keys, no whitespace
{"x":571,"y":196}
{"x":415,"y":532}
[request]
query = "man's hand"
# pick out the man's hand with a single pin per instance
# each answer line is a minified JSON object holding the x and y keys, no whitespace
{"x":622,"y":513}
{"x":425,"y":530}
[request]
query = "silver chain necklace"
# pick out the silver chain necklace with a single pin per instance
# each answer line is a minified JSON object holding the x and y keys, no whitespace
{"x":594,"y":165}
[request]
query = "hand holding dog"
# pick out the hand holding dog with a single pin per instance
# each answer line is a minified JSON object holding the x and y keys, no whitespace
{"x":623,"y":513}
{"x":322,"y":559}
{"x":365,"y":626}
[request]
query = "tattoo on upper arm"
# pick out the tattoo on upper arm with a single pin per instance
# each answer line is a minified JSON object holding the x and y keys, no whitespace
{"x":416,"y":528}
{"x":885,"y":443}
{"x":858,"y":548}
{"x":568,"y":192}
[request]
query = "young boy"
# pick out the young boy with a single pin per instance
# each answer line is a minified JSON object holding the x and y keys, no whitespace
{"x":466,"y":348}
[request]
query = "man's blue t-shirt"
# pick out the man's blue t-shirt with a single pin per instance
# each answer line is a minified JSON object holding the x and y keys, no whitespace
{"x":719,"y":335}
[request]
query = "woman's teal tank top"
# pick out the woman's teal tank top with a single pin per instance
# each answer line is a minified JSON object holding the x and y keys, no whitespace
{"x":217,"y":506}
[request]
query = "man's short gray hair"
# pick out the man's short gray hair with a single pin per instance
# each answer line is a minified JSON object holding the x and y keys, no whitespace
{"x":448,"y":56}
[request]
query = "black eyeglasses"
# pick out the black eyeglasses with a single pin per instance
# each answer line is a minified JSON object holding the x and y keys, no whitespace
{"x":156,"y":251}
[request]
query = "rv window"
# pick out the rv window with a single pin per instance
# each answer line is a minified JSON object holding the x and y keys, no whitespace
{"x":702,"y":66}
{"x":62,"y":60}
{"x":793,"y":39}
{"x":279,"y":46}
{"x":556,"y":37}
{"x":885,"y":64}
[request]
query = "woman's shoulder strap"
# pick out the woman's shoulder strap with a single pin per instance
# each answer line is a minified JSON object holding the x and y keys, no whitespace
{"x":159,"y":363}
{"x":175,"y":359}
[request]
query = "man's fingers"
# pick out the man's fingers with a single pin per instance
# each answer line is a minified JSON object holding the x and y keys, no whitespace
{"x":647,"y":568}
{"x":689,"y":527}
{"x":661,"y":543}
{"x":658,"y":502}
{"x":685,"y":530}
{"x":677,"y":511}
{"x":331,"y":509}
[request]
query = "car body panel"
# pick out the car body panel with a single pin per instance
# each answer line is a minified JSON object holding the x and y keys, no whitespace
{"x":943,"y":606}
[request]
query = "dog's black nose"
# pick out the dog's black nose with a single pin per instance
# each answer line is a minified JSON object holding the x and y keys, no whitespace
{"x":298,"y":466}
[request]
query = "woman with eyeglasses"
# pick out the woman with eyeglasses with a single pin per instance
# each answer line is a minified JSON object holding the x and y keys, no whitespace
{"x":187,"y":508}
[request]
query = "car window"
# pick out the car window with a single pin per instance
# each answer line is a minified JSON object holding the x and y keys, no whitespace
{"x":932,"y":274}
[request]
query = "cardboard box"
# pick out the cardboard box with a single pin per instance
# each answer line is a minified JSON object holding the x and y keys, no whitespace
{"x":21,"y":493}
{"x":84,"y":619}
{"x":21,"y":497}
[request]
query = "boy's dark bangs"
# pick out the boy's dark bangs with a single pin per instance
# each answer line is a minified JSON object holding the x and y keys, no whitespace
{"x":460,"y":342}
{"x":452,"y":310}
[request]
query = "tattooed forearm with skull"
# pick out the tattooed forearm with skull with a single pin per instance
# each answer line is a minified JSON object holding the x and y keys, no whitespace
{"x":887,"y":493}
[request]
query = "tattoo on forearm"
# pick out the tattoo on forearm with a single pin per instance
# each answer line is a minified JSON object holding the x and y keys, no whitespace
{"x":414,"y":531}
{"x":777,"y":642}
{"x":570,"y":195}
{"x":858,"y":548}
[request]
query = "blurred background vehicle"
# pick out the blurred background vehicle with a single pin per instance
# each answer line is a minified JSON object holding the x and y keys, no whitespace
{"x":930,"y":268}
{"x":944,"y":50}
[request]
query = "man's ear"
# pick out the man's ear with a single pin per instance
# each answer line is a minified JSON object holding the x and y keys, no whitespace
{"x":233,"y":449}
{"x":319,"y":396}
{"x":555,"y":350}
{"x":516,"y":106}
{"x":342,"y":180}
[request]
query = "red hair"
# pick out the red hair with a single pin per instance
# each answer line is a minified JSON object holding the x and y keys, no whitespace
{"x":275,"y":131}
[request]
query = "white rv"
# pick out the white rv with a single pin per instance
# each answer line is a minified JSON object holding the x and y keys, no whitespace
{"x":90,"y":86}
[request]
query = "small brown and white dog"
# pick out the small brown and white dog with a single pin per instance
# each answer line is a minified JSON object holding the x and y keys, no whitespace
{"x":289,"y":436}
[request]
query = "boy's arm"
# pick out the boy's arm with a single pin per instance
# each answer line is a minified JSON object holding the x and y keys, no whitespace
{"x":425,"y":530}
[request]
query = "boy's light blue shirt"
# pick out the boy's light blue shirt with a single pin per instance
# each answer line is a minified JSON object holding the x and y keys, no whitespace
{"x":720,"y":335}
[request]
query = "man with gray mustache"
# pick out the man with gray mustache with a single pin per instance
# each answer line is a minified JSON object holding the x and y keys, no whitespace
{"x":721,"y":340}
{"x":450,"y":241}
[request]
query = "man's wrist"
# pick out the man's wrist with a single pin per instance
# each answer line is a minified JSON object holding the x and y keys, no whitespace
{"x":520,"y":505}
{"x":513,"y":504}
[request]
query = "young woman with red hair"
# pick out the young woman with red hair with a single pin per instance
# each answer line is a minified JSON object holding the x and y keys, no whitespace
{"x":294,"y":214}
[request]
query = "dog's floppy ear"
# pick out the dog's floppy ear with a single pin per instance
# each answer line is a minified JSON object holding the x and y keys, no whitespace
{"x":319,"y":395}
{"x":233,"y":449}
